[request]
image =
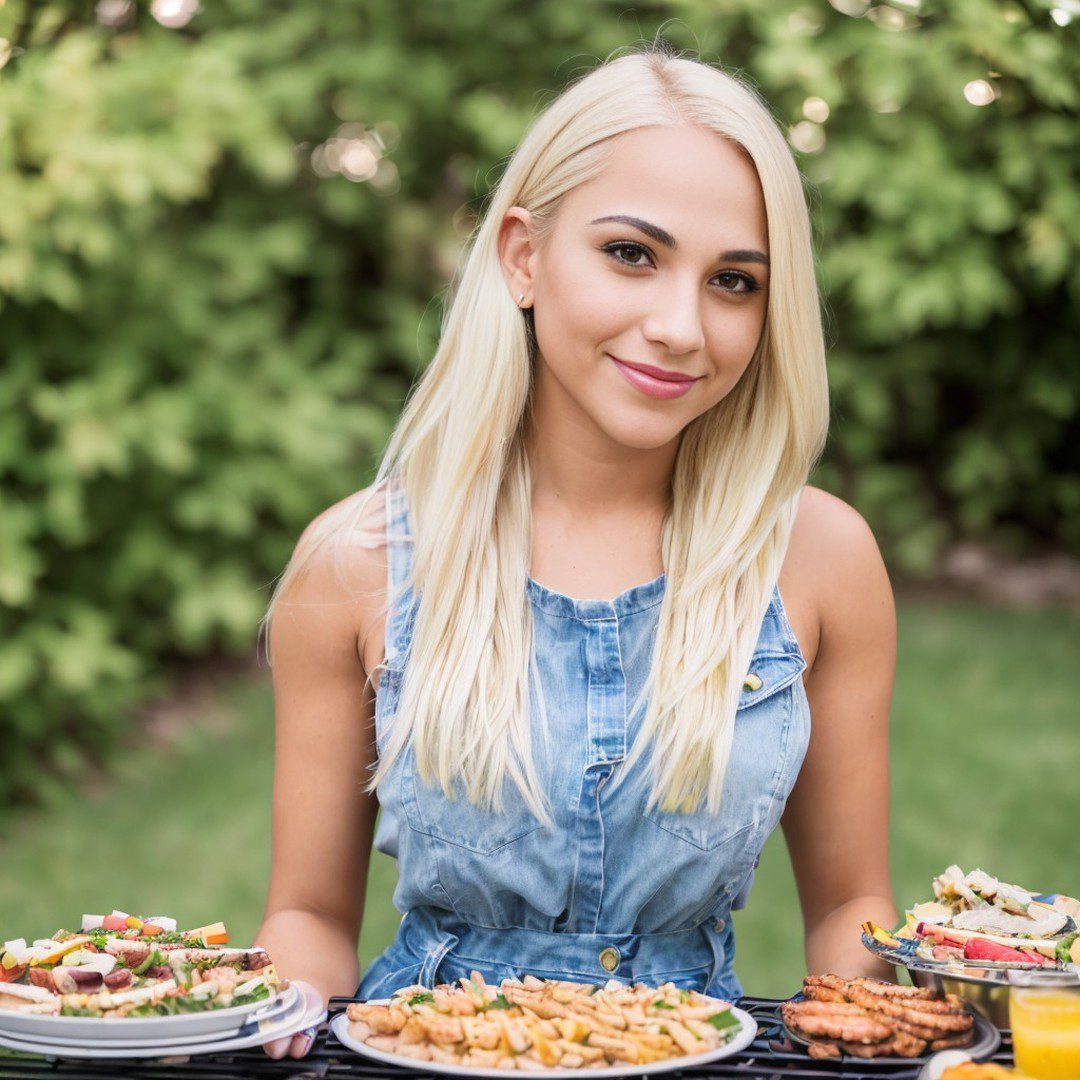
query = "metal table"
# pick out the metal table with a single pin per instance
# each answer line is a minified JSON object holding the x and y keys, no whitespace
{"x":769,"y":1057}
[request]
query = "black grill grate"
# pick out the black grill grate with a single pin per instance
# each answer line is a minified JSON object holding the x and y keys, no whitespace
{"x":765,"y":1059}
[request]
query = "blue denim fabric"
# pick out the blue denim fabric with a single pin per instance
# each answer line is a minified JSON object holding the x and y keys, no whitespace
{"x":502,"y":894}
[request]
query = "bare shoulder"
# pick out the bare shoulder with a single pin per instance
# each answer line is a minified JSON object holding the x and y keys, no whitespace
{"x":832,"y":532}
{"x":834,"y":571}
{"x":334,"y":586}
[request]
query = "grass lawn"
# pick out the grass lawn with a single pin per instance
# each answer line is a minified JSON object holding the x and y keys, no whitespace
{"x":986,"y":772}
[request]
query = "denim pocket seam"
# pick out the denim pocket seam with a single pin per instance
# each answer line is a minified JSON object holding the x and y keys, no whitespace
{"x":425,"y":831}
{"x":782,"y":755}
{"x":686,"y":839}
{"x":767,"y":691}
{"x":415,"y":818}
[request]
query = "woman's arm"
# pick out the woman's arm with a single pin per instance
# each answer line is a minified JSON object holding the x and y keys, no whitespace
{"x":322,"y":821}
{"x":837,"y":819}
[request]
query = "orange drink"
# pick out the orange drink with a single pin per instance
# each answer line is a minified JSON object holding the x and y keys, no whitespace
{"x":1046,"y":1031}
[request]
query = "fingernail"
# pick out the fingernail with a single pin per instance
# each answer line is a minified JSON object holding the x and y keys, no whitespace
{"x":299,"y":1050}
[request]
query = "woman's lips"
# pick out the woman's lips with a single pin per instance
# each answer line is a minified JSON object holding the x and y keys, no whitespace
{"x":639,"y":376}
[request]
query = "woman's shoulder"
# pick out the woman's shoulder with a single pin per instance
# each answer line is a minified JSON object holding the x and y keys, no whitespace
{"x":825,"y":525}
{"x":335,"y":582}
{"x":354,"y":524}
{"x":833,"y":572}
{"x":832,"y":542}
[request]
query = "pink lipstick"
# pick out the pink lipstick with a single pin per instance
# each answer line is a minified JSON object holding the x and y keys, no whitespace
{"x":656,"y":382}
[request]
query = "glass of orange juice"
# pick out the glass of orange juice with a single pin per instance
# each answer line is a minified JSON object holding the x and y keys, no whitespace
{"x":1045,"y":1022}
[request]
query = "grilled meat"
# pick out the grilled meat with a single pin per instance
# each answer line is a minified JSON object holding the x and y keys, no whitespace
{"x":870,"y":1018}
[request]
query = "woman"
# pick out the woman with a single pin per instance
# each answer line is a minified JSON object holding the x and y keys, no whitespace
{"x":551,"y":633}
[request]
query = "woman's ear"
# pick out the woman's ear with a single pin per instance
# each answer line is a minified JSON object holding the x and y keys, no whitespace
{"x":517,"y":254}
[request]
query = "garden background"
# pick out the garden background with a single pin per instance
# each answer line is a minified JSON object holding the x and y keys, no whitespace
{"x":225,"y":236}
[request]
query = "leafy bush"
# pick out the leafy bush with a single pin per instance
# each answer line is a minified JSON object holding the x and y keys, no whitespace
{"x":218,"y":242}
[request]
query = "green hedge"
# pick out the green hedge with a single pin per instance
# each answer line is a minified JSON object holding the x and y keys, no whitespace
{"x":206,"y":331}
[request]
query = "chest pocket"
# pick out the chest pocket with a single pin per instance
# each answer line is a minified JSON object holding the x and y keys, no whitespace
{"x":427,"y":808}
{"x":457,"y":821}
{"x":757,"y":780}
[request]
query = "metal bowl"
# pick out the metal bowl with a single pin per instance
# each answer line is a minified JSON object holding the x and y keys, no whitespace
{"x":990,"y":1000}
{"x":985,"y":987}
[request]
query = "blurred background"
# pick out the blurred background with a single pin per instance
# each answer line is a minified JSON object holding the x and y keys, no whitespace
{"x":225,"y":236}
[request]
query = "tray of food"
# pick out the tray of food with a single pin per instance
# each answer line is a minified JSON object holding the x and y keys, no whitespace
{"x":164,"y":984}
{"x":546,"y":1027}
{"x":981,"y":929}
{"x":863,"y":1018}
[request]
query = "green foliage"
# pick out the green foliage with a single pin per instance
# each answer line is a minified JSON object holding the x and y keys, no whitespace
{"x":206,"y":330}
{"x":949,"y":238}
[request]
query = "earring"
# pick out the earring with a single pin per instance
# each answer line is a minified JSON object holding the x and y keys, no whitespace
{"x":521,"y":299}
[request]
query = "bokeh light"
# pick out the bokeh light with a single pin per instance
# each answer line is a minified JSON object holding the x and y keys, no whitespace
{"x":980,"y":92}
{"x":389,"y":133}
{"x":114,"y":13}
{"x":890,"y":18}
{"x":816,"y":109}
{"x":808,"y":137}
{"x":358,"y":160}
{"x":1064,"y":12}
{"x":386,"y":180}
{"x":174,"y":14}
{"x":356,"y":152}
{"x":855,"y":8}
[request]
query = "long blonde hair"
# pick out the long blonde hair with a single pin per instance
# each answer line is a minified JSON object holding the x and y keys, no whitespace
{"x":458,"y":453}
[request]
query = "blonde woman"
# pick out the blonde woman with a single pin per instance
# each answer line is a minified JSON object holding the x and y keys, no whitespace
{"x":589,"y":637}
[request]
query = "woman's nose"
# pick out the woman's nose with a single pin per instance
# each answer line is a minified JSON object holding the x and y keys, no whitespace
{"x":675,"y":318}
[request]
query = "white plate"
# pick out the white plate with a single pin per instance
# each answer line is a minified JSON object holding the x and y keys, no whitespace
{"x":99,"y":1028}
{"x":340,"y":1027}
{"x":277,"y":1009}
{"x":297,"y":1020}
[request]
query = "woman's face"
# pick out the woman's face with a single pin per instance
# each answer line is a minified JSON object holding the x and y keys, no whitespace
{"x":678,"y":285}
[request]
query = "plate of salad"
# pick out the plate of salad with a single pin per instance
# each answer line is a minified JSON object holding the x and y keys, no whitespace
{"x":984,"y":928}
{"x":129,"y":977}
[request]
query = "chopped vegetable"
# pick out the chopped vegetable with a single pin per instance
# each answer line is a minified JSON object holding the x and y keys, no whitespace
{"x":723,"y":1020}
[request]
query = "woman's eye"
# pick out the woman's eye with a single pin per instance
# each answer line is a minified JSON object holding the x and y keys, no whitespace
{"x":633,"y":249}
{"x":735,"y":282}
{"x":730,"y":280}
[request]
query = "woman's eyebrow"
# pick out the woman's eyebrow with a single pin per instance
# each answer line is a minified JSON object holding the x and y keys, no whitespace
{"x":662,"y":236}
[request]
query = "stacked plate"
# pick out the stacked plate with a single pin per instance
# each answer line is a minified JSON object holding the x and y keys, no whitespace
{"x":215,"y":1032}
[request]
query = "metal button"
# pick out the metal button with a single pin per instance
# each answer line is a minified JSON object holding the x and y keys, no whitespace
{"x":609,"y":959}
{"x":719,"y":925}
{"x":751,"y":682}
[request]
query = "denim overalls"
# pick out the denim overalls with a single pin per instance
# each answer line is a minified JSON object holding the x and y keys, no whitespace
{"x":613,"y":890}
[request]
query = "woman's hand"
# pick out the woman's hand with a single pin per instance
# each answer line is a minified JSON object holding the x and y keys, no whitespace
{"x":299,"y":1044}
